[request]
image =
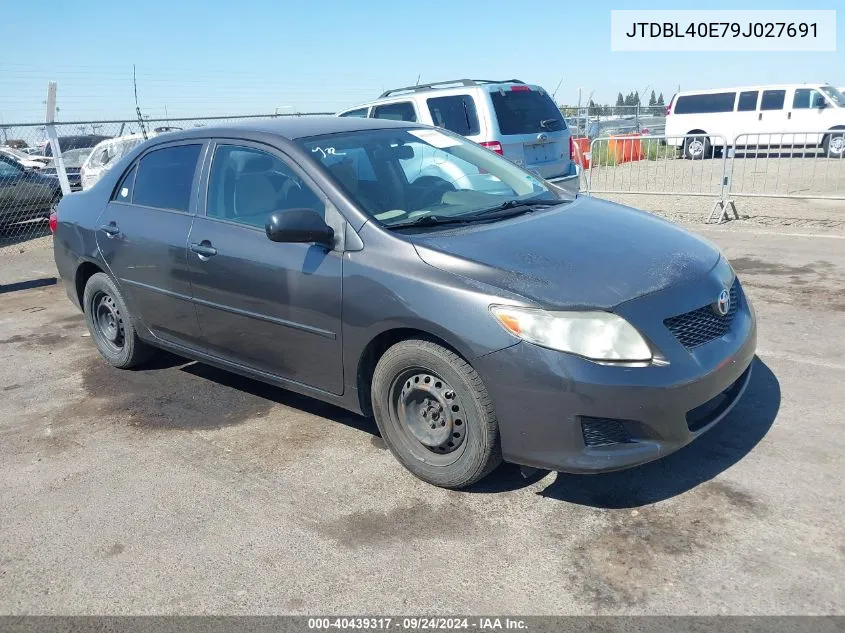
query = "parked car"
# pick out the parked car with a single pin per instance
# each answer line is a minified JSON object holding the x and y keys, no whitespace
{"x":475,"y":322}
{"x":514,"y":119}
{"x":76,"y":141}
{"x":25,"y":193}
{"x":25,"y":160}
{"x":73,"y":160}
{"x":104,"y":156}
{"x":777,"y":115}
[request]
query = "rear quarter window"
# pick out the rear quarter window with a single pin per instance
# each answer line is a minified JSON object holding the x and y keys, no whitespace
{"x":455,"y":113}
{"x":526,"y":111}
{"x":705,"y":103}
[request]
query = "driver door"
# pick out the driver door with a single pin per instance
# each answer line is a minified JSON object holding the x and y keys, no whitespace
{"x":270,"y":306}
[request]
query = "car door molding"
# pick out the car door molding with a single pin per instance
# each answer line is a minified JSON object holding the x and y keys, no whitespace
{"x":263,"y":317}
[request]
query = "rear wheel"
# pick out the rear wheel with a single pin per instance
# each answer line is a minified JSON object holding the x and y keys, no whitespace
{"x":834,"y":144}
{"x":435,"y":415}
{"x":697,"y":147}
{"x":111,"y":325}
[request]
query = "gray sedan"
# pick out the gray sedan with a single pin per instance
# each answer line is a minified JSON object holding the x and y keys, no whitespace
{"x":474,"y":312}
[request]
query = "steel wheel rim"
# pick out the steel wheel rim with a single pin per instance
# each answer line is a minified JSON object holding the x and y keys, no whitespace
{"x":108,"y":321}
{"x":837,"y":145}
{"x":429,"y":416}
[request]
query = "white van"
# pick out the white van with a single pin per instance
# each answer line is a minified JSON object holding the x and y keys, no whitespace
{"x":797,"y":114}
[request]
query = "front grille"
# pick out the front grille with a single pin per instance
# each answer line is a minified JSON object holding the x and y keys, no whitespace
{"x":702,"y":325}
{"x":604,"y":432}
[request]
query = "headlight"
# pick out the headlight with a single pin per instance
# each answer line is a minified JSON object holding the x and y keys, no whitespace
{"x":595,"y":335}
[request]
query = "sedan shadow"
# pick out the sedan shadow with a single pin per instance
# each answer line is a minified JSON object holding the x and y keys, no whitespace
{"x":702,"y":460}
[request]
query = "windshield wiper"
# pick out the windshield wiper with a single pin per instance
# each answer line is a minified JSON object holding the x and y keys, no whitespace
{"x":513,"y":204}
{"x":428,"y":220}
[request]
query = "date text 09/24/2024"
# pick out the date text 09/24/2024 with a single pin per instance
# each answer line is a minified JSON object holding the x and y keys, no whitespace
{"x":416,"y":623}
{"x":723,"y":29}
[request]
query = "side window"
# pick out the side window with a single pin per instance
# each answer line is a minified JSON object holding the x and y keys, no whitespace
{"x":706,"y":103}
{"x":123,"y":192}
{"x":246,"y":185}
{"x":806,"y":98}
{"x":747,"y":101}
{"x":360,"y":113}
{"x":772,"y":100}
{"x":456,"y":114}
{"x":403,"y":111}
{"x":165,"y":177}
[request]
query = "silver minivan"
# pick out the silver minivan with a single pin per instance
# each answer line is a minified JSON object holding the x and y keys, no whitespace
{"x":517,"y":120}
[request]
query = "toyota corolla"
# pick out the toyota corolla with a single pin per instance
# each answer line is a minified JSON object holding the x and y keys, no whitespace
{"x":404,"y":272}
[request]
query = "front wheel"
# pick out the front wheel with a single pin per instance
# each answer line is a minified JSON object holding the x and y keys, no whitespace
{"x":834,"y":144}
{"x":435,"y":415}
{"x":110,"y":324}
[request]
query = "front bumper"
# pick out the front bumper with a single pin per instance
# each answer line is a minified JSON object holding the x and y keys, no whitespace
{"x":548,"y":402}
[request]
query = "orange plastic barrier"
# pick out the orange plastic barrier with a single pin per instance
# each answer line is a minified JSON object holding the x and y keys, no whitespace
{"x":582,"y":153}
{"x":625,"y":148}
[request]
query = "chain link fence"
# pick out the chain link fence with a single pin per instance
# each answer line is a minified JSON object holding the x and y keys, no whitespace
{"x":29,"y":180}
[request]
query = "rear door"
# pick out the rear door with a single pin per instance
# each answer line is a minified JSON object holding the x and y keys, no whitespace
{"x":274,"y":307}
{"x":744,"y":120}
{"x":771,"y":117}
{"x":143,"y":234}
{"x":531,"y":129}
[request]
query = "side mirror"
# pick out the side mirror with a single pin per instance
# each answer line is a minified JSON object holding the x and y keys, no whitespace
{"x":822,"y":104}
{"x":299,"y":225}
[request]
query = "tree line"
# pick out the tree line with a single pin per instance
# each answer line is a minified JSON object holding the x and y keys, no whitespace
{"x":622,"y":105}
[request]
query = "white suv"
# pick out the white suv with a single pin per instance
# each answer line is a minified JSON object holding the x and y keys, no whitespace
{"x":514,"y":119}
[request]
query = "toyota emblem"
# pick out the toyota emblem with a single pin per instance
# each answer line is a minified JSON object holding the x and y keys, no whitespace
{"x":723,"y":303}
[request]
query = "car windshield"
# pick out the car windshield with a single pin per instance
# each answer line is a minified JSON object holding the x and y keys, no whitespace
{"x":834,"y":95}
{"x":399,"y":176}
{"x":75,"y":157}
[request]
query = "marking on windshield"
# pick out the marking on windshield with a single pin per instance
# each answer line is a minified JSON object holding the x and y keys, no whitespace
{"x":329,"y":151}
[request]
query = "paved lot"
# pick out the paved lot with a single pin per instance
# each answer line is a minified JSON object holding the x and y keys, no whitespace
{"x":180,"y":488}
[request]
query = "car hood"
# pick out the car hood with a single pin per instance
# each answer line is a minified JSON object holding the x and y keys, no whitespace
{"x":586,"y":254}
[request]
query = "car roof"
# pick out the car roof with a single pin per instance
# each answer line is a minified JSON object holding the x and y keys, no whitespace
{"x":290,"y":127}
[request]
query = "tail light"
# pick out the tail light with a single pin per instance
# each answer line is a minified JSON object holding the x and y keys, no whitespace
{"x":54,"y":221}
{"x":493,"y":146}
{"x":520,"y":89}
{"x":667,"y":110}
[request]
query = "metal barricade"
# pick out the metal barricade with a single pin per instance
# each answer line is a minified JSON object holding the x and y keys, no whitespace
{"x":802,"y":165}
{"x":687,"y":165}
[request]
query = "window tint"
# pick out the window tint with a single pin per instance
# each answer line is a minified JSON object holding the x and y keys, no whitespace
{"x":456,"y":113}
{"x":747,"y":101}
{"x":403,"y":111}
{"x":165,"y":177}
{"x":772,"y":100}
{"x":807,"y":98}
{"x":706,"y":103}
{"x":246,"y":185}
{"x":526,"y":111}
{"x":123,"y":192}
{"x":360,"y":112}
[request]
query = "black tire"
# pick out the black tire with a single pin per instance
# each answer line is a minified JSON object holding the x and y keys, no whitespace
{"x":111,"y":325}
{"x":468,"y":419}
{"x":697,"y":148}
{"x":834,"y":144}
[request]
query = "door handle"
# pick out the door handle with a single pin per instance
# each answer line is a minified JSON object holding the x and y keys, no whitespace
{"x":789,"y":115}
{"x":204,"y":250}
{"x":760,"y":117}
{"x":110,"y":229}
